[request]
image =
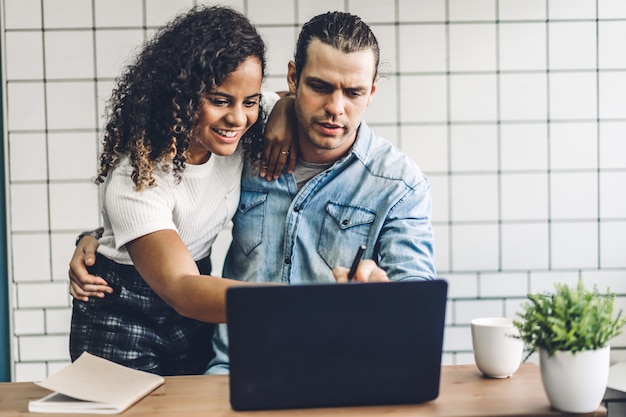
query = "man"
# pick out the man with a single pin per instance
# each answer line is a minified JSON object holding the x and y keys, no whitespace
{"x":346,"y":190}
{"x":349,"y":187}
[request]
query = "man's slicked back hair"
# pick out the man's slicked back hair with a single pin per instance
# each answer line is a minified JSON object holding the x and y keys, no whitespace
{"x":343,"y":31}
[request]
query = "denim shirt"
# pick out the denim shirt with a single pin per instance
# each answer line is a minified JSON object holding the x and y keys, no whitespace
{"x":376,"y":196}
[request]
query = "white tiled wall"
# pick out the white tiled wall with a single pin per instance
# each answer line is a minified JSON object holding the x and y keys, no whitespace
{"x":515,"y":109}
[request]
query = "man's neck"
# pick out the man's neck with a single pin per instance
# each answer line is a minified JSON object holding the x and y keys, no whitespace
{"x":313,"y":155}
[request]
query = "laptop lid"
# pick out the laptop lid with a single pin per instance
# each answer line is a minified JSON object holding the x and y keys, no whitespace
{"x":330,"y":345}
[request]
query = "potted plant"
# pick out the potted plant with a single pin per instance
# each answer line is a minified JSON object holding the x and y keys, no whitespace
{"x":571,"y":329}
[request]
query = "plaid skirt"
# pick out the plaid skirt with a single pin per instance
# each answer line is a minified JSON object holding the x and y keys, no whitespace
{"x":136,"y":328}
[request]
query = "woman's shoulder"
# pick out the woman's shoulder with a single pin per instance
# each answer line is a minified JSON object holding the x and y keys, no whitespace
{"x":121,"y":177}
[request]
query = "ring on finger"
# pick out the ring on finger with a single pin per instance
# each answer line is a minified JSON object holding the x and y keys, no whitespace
{"x":285,"y":153}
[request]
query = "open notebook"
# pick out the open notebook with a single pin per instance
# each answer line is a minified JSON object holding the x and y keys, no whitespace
{"x":93,"y":385}
{"x":326,"y":345}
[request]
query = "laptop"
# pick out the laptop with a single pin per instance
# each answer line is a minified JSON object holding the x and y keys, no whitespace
{"x":335,"y":345}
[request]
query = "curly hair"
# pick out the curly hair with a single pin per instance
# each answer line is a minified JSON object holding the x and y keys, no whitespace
{"x":154,"y":106}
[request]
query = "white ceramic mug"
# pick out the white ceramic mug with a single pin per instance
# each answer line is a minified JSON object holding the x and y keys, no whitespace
{"x":497,"y":352}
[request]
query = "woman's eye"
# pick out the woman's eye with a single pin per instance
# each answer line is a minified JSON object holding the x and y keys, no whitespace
{"x":219,"y":102}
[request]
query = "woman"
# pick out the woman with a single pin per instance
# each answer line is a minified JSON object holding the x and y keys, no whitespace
{"x":179,"y":121}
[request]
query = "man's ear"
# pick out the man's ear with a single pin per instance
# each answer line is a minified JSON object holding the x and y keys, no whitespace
{"x":292,"y":77}
{"x":373,"y":90}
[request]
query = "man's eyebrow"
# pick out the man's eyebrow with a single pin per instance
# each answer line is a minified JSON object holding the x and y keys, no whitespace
{"x":358,"y":89}
{"x":315,"y":80}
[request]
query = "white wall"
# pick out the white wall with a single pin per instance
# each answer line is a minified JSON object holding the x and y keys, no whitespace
{"x":515,"y":109}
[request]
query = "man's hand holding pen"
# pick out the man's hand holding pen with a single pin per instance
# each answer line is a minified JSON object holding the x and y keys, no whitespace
{"x":366,"y":271}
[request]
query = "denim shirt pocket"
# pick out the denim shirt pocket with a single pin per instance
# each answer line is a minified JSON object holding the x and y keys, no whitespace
{"x":344,"y":228}
{"x":248,"y":220}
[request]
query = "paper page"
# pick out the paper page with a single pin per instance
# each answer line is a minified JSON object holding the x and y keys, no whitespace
{"x":617,"y":377}
{"x":91,"y":378}
{"x":59,"y":403}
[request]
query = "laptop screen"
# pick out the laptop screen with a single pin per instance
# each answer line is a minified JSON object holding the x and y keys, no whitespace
{"x":327,"y":345}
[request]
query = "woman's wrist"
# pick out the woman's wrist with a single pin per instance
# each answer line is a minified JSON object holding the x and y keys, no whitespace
{"x":96,"y":234}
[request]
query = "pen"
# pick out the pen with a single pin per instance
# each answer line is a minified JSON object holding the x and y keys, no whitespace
{"x":356,"y":261}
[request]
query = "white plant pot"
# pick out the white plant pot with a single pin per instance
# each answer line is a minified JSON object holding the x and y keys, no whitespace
{"x":575,"y":383}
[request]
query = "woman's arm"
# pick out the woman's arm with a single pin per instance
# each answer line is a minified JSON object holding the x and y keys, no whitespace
{"x":166,"y":265}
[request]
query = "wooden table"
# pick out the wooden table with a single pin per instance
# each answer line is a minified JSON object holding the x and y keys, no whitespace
{"x":464,"y":392}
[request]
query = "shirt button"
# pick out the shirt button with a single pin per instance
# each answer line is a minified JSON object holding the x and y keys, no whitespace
{"x":287,"y":261}
{"x":296,"y":209}
{"x":242,"y":207}
{"x":345,"y":222}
